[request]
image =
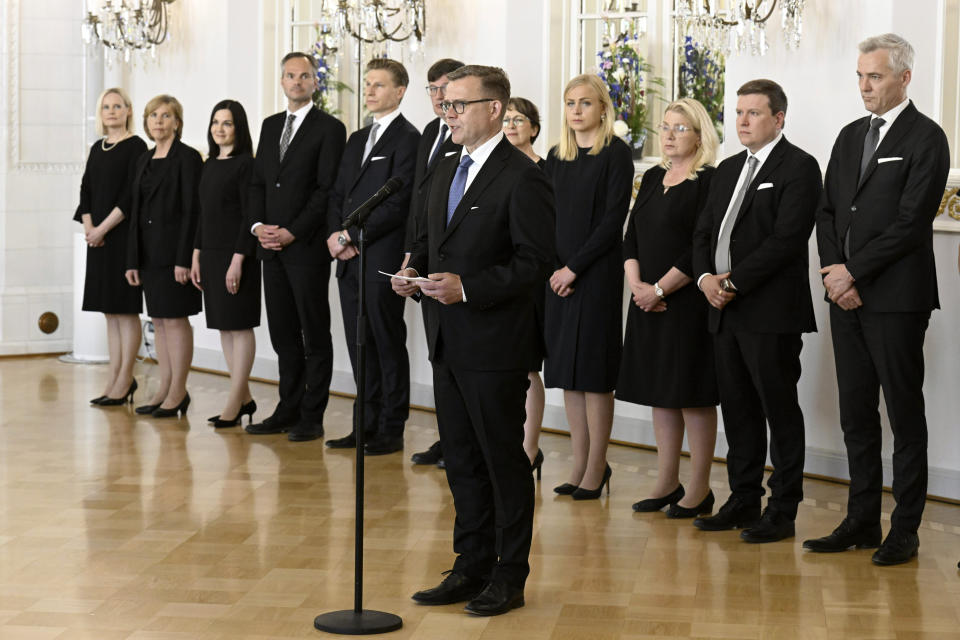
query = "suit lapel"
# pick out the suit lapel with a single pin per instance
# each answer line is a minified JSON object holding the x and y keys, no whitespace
{"x":378,"y":147}
{"x":302,"y":132}
{"x":897,"y":131}
{"x":769,"y":165}
{"x":490,"y":169}
{"x":438,"y":212}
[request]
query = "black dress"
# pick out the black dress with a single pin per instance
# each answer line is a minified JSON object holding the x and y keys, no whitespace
{"x":583,"y":330}
{"x":667,"y":356}
{"x":222,"y":232}
{"x":106,"y":184}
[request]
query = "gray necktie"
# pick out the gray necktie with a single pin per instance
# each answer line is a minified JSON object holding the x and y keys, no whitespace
{"x":722,"y":257}
{"x":371,"y":141}
{"x":870,"y":142}
{"x":287,"y":134}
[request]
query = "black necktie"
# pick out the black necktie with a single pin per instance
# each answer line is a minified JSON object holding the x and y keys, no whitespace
{"x":436,"y":149}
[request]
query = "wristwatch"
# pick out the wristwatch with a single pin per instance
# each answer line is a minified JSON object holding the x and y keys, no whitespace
{"x":727,"y":285}
{"x":341,"y":239}
{"x":657,"y":289}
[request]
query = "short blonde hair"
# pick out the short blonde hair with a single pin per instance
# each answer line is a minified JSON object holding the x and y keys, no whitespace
{"x":101,"y":131}
{"x":694,"y":113}
{"x":567,"y":149}
{"x":164,"y":100}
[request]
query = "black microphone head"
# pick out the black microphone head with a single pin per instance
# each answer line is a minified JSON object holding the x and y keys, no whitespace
{"x":393,"y":185}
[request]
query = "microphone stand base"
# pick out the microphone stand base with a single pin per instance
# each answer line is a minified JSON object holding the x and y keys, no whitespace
{"x":351,"y":623}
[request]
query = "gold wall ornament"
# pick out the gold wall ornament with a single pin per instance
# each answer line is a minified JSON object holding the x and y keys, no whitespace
{"x":48,"y":322}
{"x":950,"y":203}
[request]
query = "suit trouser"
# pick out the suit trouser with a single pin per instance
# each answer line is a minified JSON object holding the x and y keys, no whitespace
{"x":298,"y":316}
{"x":873,"y":351}
{"x":481,"y":415}
{"x":388,"y":366}
{"x":757,"y":374}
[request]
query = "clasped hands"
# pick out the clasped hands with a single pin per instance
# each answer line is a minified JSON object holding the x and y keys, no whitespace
{"x":273,"y":237}
{"x":712,"y":288}
{"x":561,"y":282}
{"x":645,"y":297}
{"x":94,"y":236}
{"x":839,"y":285}
{"x":341,"y":251}
{"x":445,"y":288}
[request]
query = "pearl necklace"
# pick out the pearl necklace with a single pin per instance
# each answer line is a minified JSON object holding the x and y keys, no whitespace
{"x":103,"y":143}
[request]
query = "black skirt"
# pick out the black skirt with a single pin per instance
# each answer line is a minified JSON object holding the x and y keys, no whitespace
{"x":167,"y":298}
{"x":227,"y":311}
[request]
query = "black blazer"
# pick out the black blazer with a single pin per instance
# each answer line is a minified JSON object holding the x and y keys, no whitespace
{"x":421,"y":180}
{"x":171,"y":208}
{"x":294,"y":193}
{"x":393,"y":156}
{"x":889,"y":213}
{"x":498,"y":242}
{"x":768,"y":244}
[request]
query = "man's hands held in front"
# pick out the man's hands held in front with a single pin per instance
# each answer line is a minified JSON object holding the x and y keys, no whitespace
{"x":712,"y":289}
{"x":273,"y":237}
{"x":839,"y":285}
{"x":445,"y":288}
{"x":341,"y":251}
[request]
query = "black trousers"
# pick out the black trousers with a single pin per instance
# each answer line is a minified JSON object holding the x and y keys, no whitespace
{"x":388,"y":366}
{"x":298,"y":315}
{"x":757,"y":375}
{"x":481,"y":415}
{"x":873,"y":351}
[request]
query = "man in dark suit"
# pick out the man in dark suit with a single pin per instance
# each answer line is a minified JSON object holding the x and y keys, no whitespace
{"x":485,"y":255}
{"x":883,"y":187}
{"x":435,"y":144}
{"x":295,"y":168}
{"x":385,"y":149}
{"x":751,"y":248}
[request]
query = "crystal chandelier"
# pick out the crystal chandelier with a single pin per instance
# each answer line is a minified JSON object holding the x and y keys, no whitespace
{"x":372,"y":22}
{"x":737,"y":26}
{"x":126,"y":27}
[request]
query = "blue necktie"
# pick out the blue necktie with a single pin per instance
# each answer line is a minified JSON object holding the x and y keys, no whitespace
{"x":436,"y":149}
{"x":458,"y":186}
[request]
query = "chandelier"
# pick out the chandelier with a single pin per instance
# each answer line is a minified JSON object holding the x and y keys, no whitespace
{"x":738,"y":26}
{"x":371,"y":22}
{"x":126,"y":27}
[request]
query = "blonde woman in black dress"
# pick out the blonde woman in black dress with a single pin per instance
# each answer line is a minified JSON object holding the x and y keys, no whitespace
{"x":224,"y":266}
{"x":592,"y":174}
{"x":104,"y":211}
{"x":166,"y":206}
{"x":667,"y":359}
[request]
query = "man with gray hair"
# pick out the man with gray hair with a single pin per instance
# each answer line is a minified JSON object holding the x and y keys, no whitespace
{"x":883,"y":186}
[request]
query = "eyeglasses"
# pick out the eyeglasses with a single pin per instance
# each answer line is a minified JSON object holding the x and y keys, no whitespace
{"x":434,"y":89}
{"x":678,"y":129}
{"x":460,"y":105}
{"x":516,"y":121}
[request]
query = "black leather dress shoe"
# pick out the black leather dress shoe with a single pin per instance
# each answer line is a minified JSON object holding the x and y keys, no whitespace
{"x":304,"y":432}
{"x":267,"y":427}
{"x":433,"y":455}
{"x":734,"y":514}
{"x":655,"y":504}
{"x":496,"y":598}
{"x":348,"y":441}
{"x":382,"y":445}
{"x":850,"y":534}
{"x":898,"y":547}
{"x":773,"y":526}
{"x":455,"y":587}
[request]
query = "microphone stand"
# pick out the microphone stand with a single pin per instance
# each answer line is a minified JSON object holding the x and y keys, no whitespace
{"x":359,"y":621}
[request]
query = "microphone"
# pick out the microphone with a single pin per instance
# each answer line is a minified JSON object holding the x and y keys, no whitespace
{"x":359,"y":216}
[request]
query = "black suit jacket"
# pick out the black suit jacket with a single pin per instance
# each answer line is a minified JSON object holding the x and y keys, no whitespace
{"x":500,"y":243}
{"x":393,"y":156}
{"x":421,"y":180}
{"x":768,"y":244}
{"x":171,"y":208}
{"x":294,"y":193}
{"x":889,"y":213}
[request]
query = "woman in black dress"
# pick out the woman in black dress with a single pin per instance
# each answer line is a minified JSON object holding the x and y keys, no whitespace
{"x":521,"y":126}
{"x":667,"y":352}
{"x":592,"y":173}
{"x":166,"y":206}
{"x":225,"y":267}
{"x":104,"y":210}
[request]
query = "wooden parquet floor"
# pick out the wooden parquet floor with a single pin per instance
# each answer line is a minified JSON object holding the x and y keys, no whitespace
{"x":116,"y":527}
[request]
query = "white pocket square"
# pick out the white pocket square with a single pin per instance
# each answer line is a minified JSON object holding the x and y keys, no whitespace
{"x":893,"y":159}
{"x":450,"y":153}
{"x":472,"y":208}
{"x":375,"y":158}
{"x":765,"y":185}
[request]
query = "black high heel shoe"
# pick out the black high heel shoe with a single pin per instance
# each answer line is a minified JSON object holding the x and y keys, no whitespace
{"x":127,"y":397}
{"x":593,"y":494}
{"x":705,"y":506}
{"x":537,"y":463}
{"x":146,"y":409}
{"x":565,"y":489}
{"x":655,"y":504}
{"x":181,"y":408}
{"x":98,"y":399}
{"x":247,"y":409}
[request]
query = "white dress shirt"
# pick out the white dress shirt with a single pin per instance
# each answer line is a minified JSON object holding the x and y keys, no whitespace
{"x":888,"y":118}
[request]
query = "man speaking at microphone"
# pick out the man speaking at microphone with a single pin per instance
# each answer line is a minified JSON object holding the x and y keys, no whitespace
{"x":386,"y":149}
{"x":487,"y":250}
